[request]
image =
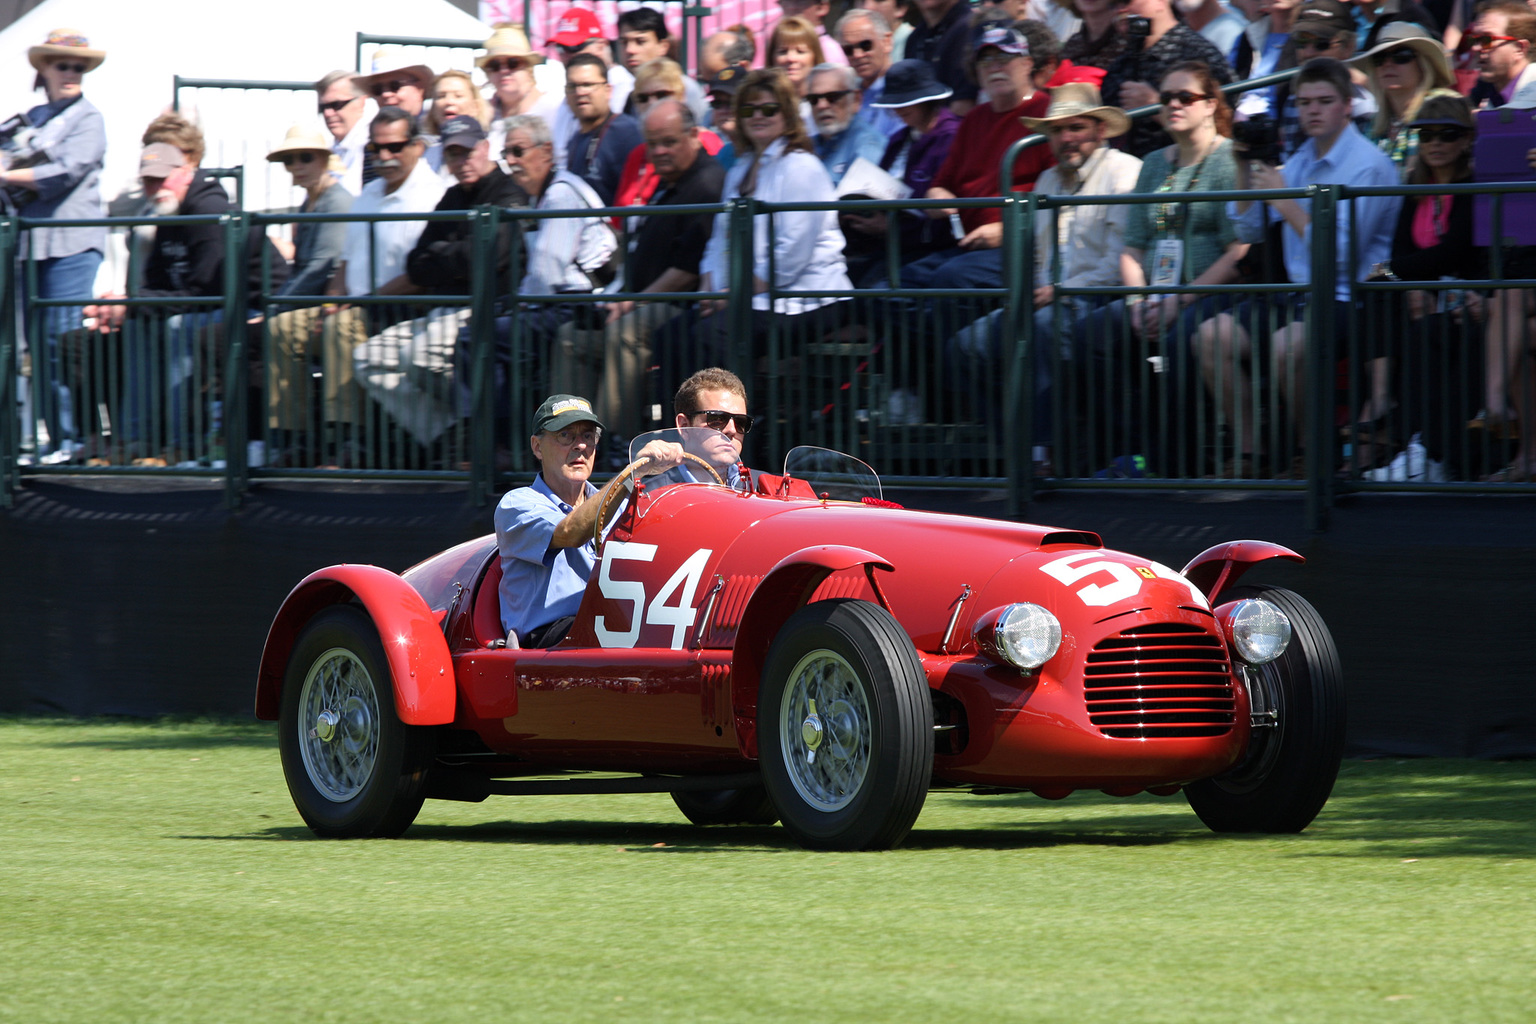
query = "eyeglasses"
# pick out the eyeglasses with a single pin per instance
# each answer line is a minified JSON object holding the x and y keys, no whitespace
{"x":336,"y":105}
{"x":569,"y":436}
{"x":862,"y":46}
{"x":1306,"y":42}
{"x":517,"y":152}
{"x":1394,"y":57}
{"x":718,"y":419}
{"x":834,"y":97}
{"x":508,"y":64}
{"x":760,"y":110}
{"x":659,"y":94}
{"x":1448,"y":133}
{"x":289,"y":159}
{"x":1487,"y":42}
{"x":393,"y":85}
{"x":580,"y":86}
{"x":387,"y":147}
{"x":722,"y":102}
{"x":73,"y":68}
{"x":1183,"y":97}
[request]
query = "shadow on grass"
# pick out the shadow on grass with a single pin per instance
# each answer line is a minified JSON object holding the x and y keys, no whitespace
{"x":154,"y":734}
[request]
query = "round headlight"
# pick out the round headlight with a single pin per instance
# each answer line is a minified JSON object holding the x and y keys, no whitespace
{"x":1258,"y":631}
{"x":1026,"y":635}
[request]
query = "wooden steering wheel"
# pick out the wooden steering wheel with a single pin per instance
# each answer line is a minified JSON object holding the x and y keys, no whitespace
{"x":606,"y":509}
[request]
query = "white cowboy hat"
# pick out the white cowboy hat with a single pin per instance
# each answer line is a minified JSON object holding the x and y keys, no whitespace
{"x":1079,"y":99}
{"x":66,"y":42}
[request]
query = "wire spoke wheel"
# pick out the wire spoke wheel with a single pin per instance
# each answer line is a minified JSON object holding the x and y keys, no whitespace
{"x":353,"y":768}
{"x":845,"y":727}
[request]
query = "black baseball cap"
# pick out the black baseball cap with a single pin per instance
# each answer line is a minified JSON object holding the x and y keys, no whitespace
{"x":560,"y":411}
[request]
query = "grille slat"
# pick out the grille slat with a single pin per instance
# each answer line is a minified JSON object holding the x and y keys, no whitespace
{"x":1160,"y":680}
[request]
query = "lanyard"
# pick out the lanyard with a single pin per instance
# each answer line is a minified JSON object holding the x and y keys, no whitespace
{"x":1169,"y":217}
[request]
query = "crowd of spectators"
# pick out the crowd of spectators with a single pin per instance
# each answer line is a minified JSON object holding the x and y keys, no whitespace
{"x":869,"y":98}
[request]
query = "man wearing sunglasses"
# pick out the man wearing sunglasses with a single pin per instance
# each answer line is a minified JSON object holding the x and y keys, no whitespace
{"x":408,"y":368}
{"x":393,"y":83}
{"x":715,"y":398}
{"x":841,"y":138}
{"x":865,"y":37}
{"x":342,"y":105}
{"x":1501,"y":39}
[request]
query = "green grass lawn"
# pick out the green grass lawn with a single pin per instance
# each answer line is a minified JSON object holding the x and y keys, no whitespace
{"x":158,"y":872}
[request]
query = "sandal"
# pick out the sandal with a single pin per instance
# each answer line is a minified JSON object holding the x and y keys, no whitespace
{"x":1516,"y":472}
{"x":1501,"y":425}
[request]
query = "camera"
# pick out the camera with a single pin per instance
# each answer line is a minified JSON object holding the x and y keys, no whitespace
{"x":1260,"y":136}
{"x":17,"y":150}
{"x":1137,"y":29}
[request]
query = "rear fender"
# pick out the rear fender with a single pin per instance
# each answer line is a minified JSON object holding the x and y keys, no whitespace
{"x":420,"y":667}
{"x":783,"y":591}
{"x":1217,"y":568}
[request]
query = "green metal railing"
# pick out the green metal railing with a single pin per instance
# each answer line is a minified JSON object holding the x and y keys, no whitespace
{"x":822,"y":380}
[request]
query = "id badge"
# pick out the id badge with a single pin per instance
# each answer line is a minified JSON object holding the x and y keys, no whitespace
{"x":1168,"y":262}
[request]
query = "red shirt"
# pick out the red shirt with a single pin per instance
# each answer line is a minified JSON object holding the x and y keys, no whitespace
{"x":970,"y":170}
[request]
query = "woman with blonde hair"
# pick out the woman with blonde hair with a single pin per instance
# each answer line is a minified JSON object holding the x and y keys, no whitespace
{"x":1406,"y":66}
{"x":454,"y":93}
{"x":795,"y":49}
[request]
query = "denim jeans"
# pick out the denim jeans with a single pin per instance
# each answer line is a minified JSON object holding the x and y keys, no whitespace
{"x":62,"y":277}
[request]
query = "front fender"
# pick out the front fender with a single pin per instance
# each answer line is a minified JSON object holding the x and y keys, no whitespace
{"x":786,"y":587}
{"x":1217,"y":568}
{"x":420,"y":666}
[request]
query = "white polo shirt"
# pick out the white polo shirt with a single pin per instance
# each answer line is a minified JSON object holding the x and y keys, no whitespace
{"x":392,"y":240}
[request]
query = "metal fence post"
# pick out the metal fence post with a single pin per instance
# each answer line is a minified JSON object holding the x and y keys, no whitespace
{"x":482,"y":331}
{"x":10,"y":432}
{"x":1018,"y":346}
{"x":739,"y":287}
{"x":236,"y":370}
{"x":1319,"y":365}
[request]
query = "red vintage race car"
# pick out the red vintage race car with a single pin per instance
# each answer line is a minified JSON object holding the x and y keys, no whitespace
{"x":791,"y":647}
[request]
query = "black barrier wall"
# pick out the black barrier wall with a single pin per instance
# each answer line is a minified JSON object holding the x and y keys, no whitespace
{"x":118,"y":601}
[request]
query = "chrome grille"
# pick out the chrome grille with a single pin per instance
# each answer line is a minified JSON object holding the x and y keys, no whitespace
{"x":1162,"y":680}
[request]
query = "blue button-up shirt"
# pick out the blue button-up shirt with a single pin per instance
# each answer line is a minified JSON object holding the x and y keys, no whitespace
{"x":838,"y":152}
{"x":1351,"y":161}
{"x":539,"y":582}
{"x":74,"y":138}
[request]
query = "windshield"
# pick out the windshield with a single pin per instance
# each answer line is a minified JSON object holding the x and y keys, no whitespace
{"x":702,"y":447}
{"x":838,"y":476}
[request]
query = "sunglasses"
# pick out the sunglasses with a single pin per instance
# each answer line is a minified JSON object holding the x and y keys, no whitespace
{"x":1183,"y":97}
{"x":393,"y":85}
{"x":498,"y":65}
{"x":516,"y":152}
{"x":289,"y":159}
{"x":717,"y":419}
{"x":760,"y":110}
{"x":659,"y":94}
{"x":834,"y":97}
{"x":1445,"y":134}
{"x":74,"y":68}
{"x":862,"y":46}
{"x":1394,"y":57}
{"x":720,"y":102}
{"x":336,"y":105}
{"x":1306,"y":42}
{"x":387,"y":147}
{"x":1486,"y":42}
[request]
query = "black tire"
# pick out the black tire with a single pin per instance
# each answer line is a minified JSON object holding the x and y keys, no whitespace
{"x":367,"y":777}
{"x":749,"y":806}
{"x":873,"y":729}
{"x":1289,"y":769}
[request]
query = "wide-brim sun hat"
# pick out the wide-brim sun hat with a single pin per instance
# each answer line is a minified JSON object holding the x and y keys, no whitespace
{"x":301,"y":139}
{"x":911,"y":81}
{"x":1401,"y":34}
{"x":510,"y":41}
{"x":1079,"y":99}
{"x":389,"y":61}
{"x":65,"y":42}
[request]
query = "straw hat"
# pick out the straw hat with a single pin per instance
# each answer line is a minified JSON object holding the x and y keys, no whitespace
{"x":1079,"y":99}
{"x":388,"y":61}
{"x":301,"y":139}
{"x":66,"y":42}
{"x":510,"y":41}
{"x":1401,"y":34}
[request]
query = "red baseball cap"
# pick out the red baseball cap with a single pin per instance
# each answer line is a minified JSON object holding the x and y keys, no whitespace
{"x":576,"y":26}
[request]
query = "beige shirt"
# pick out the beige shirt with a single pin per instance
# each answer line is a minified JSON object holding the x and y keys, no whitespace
{"x":1090,"y":235}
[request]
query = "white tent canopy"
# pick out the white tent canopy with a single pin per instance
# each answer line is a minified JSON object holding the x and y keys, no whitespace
{"x":275,"y":40}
